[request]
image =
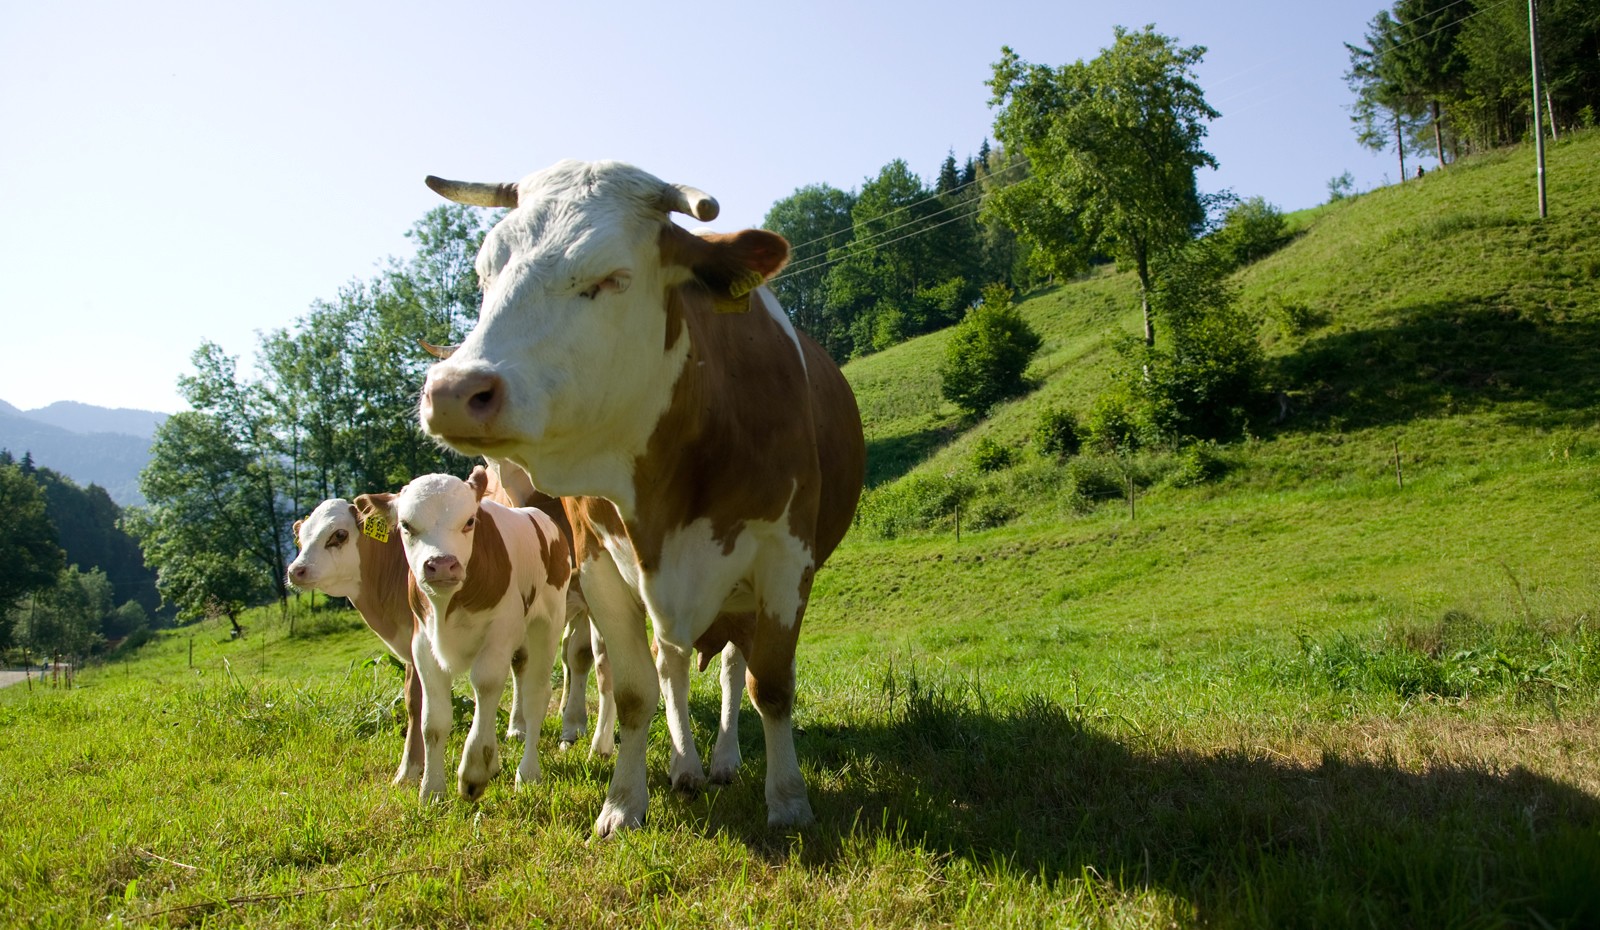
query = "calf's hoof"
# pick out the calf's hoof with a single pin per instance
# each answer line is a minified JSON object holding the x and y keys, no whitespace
{"x":790,"y":812}
{"x":471,"y":791}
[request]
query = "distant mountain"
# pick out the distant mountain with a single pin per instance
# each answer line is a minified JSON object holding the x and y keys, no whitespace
{"x":90,"y":445}
{"x":87,"y":418}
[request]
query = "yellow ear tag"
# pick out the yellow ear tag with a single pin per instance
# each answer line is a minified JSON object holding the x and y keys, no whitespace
{"x":376,"y":527}
{"x":739,"y":290}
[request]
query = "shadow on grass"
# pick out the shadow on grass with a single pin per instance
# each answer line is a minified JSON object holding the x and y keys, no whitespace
{"x":890,"y":457}
{"x":1444,"y":358}
{"x":1248,"y":840}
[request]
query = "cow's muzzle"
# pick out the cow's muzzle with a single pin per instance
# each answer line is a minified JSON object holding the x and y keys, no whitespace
{"x":461,"y":402}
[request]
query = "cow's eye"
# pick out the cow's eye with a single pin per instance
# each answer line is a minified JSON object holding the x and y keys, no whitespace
{"x":591,"y":293}
{"x":338,"y":538}
{"x":471,"y":522}
{"x":405,"y":528}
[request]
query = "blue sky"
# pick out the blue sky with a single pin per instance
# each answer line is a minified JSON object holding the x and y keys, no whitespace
{"x":179,"y":172}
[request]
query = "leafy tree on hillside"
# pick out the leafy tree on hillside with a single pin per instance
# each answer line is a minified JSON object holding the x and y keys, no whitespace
{"x":89,"y":527}
{"x":28,"y":546}
{"x":907,"y":269}
{"x":65,"y":618}
{"x":815,"y":219}
{"x":1113,"y":145}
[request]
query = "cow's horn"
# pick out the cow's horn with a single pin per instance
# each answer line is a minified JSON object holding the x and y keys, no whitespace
{"x":439,"y":352}
{"x":477,"y":195}
{"x":690,"y":200}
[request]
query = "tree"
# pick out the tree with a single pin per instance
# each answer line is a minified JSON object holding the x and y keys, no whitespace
{"x":987,"y":354}
{"x":203,"y":530}
{"x":28,"y":546}
{"x":65,"y":618}
{"x":1113,"y":145}
{"x":1387,"y":109}
{"x":815,"y":219}
{"x":907,"y":267}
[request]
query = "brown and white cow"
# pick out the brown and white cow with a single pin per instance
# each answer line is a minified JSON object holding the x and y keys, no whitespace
{"x":339,"y":560}
{"x":710,"y":455}
{"x":489,"y":591}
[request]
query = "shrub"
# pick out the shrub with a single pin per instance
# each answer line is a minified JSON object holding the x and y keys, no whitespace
{"x":1113,"y":423}
{"x":1097,"y":479}
{"x":990,"y":455}
{"x":1252,"y":230}
{"x":987,"y":354}
{"x":1055,"y":433}
{"x":914,"y":503}
{"x":1201,"y":463}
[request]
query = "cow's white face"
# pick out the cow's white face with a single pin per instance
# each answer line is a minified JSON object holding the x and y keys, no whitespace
{"x":328,"y":559}
{"x":571,"y":347}
{"x":436,"y":516}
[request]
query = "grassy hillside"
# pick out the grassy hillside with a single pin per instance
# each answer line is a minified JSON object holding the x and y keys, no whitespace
{"x":1297,"y":694}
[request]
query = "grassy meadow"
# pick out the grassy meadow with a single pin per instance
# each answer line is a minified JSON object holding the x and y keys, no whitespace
{"x":1289,"y":688}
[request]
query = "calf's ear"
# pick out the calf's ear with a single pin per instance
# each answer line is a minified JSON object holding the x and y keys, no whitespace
{"x":479,"y":480}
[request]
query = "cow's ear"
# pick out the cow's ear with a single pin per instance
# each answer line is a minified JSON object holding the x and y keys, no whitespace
{"x":369,"y":505}
{"x":479,"y":480}
{"x":730,"y":265}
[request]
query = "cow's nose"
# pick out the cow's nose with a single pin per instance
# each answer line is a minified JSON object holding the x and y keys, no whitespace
{"x":441,"y":568}
{"x":461,"y":402}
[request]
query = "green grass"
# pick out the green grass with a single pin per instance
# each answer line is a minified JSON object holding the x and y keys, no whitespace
{"x":1294,"y":694}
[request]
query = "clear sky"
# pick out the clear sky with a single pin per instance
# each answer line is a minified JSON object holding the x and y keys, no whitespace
{"x":179,"y":172}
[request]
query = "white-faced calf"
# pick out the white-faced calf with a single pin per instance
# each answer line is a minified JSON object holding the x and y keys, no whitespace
{"x":489,"y":590}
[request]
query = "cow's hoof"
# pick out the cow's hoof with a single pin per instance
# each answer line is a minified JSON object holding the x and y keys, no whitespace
{"x":471,"y":791}
{"x":515,"y":732}
{"x":792,"y":812}
{"x":688,"y":783}
{"x":613,"y":820}
{"x":431,"y":794}
{"x":723,"y":774}
{"x":405,"y":777}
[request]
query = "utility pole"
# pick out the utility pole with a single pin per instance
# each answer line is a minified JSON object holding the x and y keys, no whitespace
{"x":1538,"y":130}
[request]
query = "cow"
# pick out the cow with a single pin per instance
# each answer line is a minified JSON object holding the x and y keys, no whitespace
{"x":709,"y":455}
{"x":489,"y":591}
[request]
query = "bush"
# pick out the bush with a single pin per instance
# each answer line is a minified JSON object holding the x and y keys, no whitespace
{"x":1097,"y":479}
{"x":1252,"y":230}
{"x":1055,"y":433}
{"x":1114,"y":422}
{"x":990,"y":455}
{"x":987,"y":354}
{"x":1201,"y":463}
{"x":914,"y":503}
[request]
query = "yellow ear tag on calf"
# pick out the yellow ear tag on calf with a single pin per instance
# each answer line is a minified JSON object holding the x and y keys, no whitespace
{"x":738,"y":299}
{"x":376,"y":527}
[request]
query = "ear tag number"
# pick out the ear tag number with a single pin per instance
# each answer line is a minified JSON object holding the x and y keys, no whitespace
{"x":376,"y":527}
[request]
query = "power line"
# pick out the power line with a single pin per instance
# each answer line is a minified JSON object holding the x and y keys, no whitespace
{"x":817,"y":267}
{"x":901,"y":209}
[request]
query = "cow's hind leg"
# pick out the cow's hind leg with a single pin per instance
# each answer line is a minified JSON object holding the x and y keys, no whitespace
{"x":577,"y":657}
{"x":672,"y":665}
{"x":604,"y":741}
{"x":725,"y":755}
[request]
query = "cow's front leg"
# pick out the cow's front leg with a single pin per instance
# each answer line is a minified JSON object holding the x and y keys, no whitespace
{"x":725,"y":755}
{"x":480,"y":758}
{"x":620,"y":619}
{"x":517,"y":726}
{"x":672,"y":666}
{"x":411,"y":757}
{"x":435,"y":716}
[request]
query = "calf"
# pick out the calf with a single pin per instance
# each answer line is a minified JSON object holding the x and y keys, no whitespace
{"x":489,"y":589}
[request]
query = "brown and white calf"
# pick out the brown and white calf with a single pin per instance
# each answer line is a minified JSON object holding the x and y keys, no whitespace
{"x":710,"y":456}
{"x":489,"y":591}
